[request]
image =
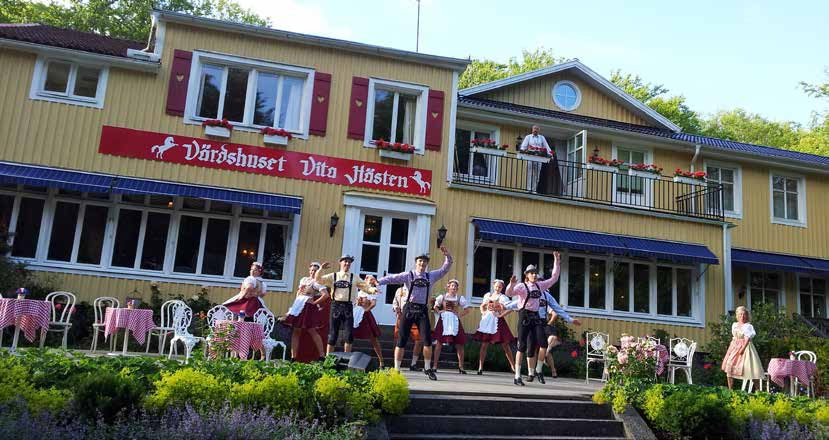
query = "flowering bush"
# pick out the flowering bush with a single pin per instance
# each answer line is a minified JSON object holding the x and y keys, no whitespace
{"x":647,"y":168}
{"x":220,"y":340}
{"x":698,"y":175}
{"x":270,"y":131}
{"x":487,"y":143}
{"x":394,"y":146}
{"x":217,"y":123}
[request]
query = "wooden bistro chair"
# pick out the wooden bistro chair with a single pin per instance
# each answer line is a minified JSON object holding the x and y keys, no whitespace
{"x":62,"y":305}
{"x":99,"y":307}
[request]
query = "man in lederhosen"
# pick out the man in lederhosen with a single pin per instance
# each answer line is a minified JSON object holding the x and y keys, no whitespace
{"x":343,"y":286}
{"x":416,"y":311}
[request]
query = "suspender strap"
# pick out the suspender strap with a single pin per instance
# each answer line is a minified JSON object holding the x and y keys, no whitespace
{"x":528,"y":295}
{"x":350,"y":285}
{"x":409,"y":287}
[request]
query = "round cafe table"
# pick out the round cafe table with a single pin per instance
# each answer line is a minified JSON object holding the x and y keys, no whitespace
{"x":27,"y":314}
{"x":780,"y":369}
{"x":139,"y":321}
{"x":246,"y":336}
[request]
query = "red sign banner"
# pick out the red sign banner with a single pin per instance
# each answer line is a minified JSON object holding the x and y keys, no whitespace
{"x":209,"y":153}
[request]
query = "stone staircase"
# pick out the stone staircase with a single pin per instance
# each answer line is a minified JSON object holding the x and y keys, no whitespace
{"x":490,"y":416}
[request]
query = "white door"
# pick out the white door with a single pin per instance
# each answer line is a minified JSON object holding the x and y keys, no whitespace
{"x":573,"y":169}
{"x":630,"y":190}
{"x":385,"y":241}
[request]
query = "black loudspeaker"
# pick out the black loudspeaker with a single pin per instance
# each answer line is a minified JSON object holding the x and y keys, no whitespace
{"x":355,"y":361}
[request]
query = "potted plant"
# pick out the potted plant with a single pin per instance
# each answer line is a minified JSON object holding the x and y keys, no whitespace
{"x":276,"y":136}
{"x":535,"y":154}
{"x":488,"y":146}
{"x":394,"y":150}
{"x":644,"y":170}
{"x":689,"y":177}
{"x":596,"y":162}
{"x":217,"y":127}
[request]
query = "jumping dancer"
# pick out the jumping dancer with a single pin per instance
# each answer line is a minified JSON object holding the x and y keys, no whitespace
{"x":305,"y":316}
{"x":365,"y":327}
{"x":249,"y":298}
{"x":549,"y":309}
{"x":449,"y":329}
{"x":494,"y":328}
{"x":397,"y":306}
{"x":342,"y":284}
{"x":419,"y":283}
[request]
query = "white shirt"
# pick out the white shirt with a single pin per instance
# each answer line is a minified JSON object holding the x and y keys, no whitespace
{"x":256,"y":282}
{"x":746,"y":329}
{"x":460,"y":299}
{"x":535,"y":142}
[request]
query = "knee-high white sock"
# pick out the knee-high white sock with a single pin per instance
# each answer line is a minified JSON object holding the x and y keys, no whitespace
{"x":414,"y":358}
{"x":517,"y":370}
{"x":539,"y":367}
{"x":427,"y":364}
{"x":397,"y":365}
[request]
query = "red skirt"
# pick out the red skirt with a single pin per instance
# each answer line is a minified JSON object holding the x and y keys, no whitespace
{"x":368,"y":327}
{"x":437,"y":335}
{"x":248,"y":305}
{"x":310,"y":317}
{"x":307,"y":349}
{"x":503,"y":334}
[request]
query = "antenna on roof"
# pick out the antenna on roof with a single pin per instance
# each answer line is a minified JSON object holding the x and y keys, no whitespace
{"x":417,"y":38}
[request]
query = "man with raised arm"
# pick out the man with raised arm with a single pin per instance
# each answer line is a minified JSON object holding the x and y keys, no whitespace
{"x":416,"y":311}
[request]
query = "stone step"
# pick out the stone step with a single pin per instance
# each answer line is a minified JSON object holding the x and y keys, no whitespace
{"x":431,"y":404}
{"x":503,"y":426}
{"x":494,"y":437}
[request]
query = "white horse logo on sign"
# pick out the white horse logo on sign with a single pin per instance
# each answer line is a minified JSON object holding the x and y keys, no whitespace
{"x":159,"y":150}
{"x":424,"y":186}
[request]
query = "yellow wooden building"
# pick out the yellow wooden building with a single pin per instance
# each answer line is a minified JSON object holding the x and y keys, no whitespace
{"x":118,"y":172}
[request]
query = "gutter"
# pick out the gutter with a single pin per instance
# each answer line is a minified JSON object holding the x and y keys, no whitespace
{"x":697,"y":149}
{"x":114,"y":61}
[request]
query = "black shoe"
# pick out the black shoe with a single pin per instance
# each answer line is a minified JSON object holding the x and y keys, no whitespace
{"x":555,"y":374}
{"x":461,"y":371}
{"x":518,"y":381}
{"x":530,"y":378}
{"x":540,"y":377}
{"x":480,"y":372}
{"x":414,"y":367}
{"x":430,"y":373}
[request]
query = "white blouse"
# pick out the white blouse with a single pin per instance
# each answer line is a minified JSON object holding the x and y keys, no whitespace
{"x":745,"y":330}
{"x":460,"y":299}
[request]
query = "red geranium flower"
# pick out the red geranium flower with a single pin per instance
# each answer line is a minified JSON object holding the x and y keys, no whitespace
{"x":581,"y":342}
{"x":574,"y":354}
{"x":58,"y":306}
{"x":706,"y":366}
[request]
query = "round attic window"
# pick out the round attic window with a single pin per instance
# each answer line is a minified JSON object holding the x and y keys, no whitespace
{"x":566,"y":95}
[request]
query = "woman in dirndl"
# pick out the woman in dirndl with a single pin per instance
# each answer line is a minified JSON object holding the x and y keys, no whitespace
{"x":451,"y":307}
{"x":742,"y":361}
{"x":493,"y":328}
{"x":305,"y":314}
{"x":365,"y":326}
{"x":249,"y":299}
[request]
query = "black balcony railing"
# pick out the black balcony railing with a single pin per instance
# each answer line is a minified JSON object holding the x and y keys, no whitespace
{"x":620,"y":187}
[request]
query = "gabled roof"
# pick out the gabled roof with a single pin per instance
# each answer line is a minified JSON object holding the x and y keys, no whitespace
{"x":811,"y":160}
{"x":586,"y":74}
{"x":68,"y":39}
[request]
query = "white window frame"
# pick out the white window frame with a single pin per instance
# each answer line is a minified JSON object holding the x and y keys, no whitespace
{"x":575,"y":87}
{"x":781,"y":294}
{"x":115,"y":205}
{"x":422,"y":93}
{"x":254,"y":65}
{"x":801,"y":199}
{"x":738,"y":185}
{"x":811,"y":293}
{"x":647,"y":184}
{"x":493,"y":162}
{"x":37,"y":91}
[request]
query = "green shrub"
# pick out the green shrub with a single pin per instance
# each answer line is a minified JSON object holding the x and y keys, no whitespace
{"x":106,"y":395}
{"x":280,"y":394}
{"x":391,"y":390}
{"x":187,"y":387}
{"x":686,"y":413}
{"x":15,"y":385}
{"x":332,"y":394}
{"x":653,"y":402}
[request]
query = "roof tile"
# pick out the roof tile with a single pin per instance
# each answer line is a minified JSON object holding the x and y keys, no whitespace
{"x":68,"y":39}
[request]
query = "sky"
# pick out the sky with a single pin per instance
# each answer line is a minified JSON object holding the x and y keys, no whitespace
{"x":718,"y":54}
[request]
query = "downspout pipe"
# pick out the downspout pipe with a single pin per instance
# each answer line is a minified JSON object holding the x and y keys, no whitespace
{"x":697,"y":149}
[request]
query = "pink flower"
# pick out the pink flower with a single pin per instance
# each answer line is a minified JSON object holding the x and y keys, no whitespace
{"x":707,"y":366}
{"x":574,"y":354}
{"x":58,"y":306}
{"x":581,"y":342}
{"x":72,"y":310}
{"x":622,"y":357}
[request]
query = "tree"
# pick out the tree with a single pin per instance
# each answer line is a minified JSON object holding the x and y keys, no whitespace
{"x":482,"y":71}
{"x":653,"y":95}
{"x":129,"y":19}
{"x":815,"y":140}
{"x":742,"y":126}
{"x":819,"y":90}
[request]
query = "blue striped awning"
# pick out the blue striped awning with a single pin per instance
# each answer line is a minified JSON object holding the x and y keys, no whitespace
{"x":91,"y":182}
{"x":594,"y":242}
{"x":772,"y":261}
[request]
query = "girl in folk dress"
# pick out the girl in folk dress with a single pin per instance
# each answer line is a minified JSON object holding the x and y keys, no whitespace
{"x":305,"y":315}
{"x":451,"y":307}
{"x":397,"y":306}
{"x":742,"y":361}
{"x":367,"y":327}
{"x":493,"y":328}
{"x":249,"y":298}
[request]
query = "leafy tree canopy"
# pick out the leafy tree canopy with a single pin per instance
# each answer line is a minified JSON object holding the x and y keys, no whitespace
{"x":482,"y":71}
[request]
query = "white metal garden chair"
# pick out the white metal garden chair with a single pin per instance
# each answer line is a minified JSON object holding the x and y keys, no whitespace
{"x":681,"y":358}
{"x":99,"y":307}
{"x":182,"y":316}
{"x":62,"y":305}
{"x":805,"y":355}
{"x":266,"y":318}
{"x":596,"y":347}
{"x":218,"y":313}
{"x":165,"y":327}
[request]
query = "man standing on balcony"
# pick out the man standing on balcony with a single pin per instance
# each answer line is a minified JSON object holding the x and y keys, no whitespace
{"x":534,"y":142}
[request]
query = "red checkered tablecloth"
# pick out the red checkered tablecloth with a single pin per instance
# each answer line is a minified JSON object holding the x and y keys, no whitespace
{"x":780,"y":369}
{"x":138,"y":321}
{"x":247,"y":336}
{"x":28,"y":314}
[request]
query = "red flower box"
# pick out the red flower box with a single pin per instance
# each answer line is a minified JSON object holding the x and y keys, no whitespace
{"x":217,"y":123}
{"x":270,"y":131}
{"x":396,"y":146}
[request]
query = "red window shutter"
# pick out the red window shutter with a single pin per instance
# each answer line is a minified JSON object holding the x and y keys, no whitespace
{"x":434,"y":120}
{"x":319,"y":106}
{"x":357,"y":112}
{"x":179,"y":79}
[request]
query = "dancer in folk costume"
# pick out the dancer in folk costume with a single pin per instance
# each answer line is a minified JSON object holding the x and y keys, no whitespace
{"x":451,"y":307}
{"x":493,"y":328}
{"x":742,"y":361}
{"x":305,"y":314}
{"x":419,"y":283}
{"x":549,"y":309}
{"x":397,"y":306}
{"x":343,"y":285}
{"x":365,"y":326}
{"x":249,"y":298}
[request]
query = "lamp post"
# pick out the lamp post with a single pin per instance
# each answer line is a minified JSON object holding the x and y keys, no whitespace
{"x":441,"y":235}
{"x":334,"y":220}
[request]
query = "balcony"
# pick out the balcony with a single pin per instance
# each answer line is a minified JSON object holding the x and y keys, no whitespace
{"x":575,"y":181}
